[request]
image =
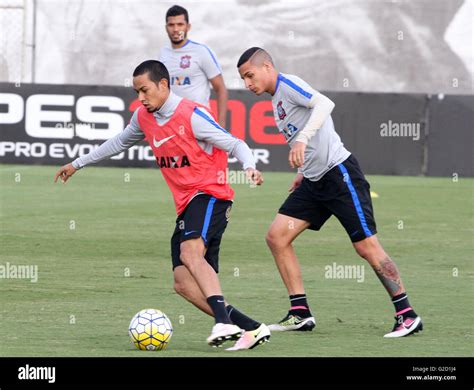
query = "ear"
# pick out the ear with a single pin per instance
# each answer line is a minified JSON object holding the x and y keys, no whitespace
{"x":267,"y":65}
{"x":189,"y":27}
{"x":163,"y":84}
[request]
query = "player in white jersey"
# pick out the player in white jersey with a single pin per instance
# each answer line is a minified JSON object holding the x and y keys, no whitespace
{"x":329,"y":182}
{"x":192,"y":66}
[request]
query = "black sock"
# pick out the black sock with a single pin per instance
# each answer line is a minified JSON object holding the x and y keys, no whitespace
{"x":218,"y":308}
{"x":241,"y":320}
{"x":402,"y":306}
{"x":299,"y":306}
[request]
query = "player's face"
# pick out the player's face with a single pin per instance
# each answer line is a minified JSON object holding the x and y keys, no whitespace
{"x":151,"y":94}
{"x":255,"y":77}
{"x":177,"y":28}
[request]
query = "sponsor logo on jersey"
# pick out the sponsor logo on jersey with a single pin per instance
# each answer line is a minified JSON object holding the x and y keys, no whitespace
{"x":292,"y":129}
{"x":180,"y":80}
{"x":185,"y":62}
{"x":289,"y":130}
{"x":281,"y":110}
{"x":157,"y":143}
{"x":173,"y":161}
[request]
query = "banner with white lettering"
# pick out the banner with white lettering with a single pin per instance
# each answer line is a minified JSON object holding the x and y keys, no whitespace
{"x":54,"y":124}
{"x":388,"y":133}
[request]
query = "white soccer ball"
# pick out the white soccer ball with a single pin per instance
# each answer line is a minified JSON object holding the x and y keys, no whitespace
{"x":150,"y":330}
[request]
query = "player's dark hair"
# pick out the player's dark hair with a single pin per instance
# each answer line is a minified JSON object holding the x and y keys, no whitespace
{"x":246,"y":55}
{"x":177,"y":10}
{"x":156,"y":71}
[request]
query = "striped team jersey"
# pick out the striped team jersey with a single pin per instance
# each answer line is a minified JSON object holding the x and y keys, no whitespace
{"x":190,"y":68}
{"x":292,"y":108}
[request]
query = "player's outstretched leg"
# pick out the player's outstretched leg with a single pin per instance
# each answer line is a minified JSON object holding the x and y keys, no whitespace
{"x":280,"y":236}
{"x":407,"y":322}
{"x":192,"y":256}
{"x":255,"y":334}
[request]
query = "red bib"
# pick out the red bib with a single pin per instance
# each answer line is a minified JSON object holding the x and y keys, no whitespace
{"x":186,"y":167}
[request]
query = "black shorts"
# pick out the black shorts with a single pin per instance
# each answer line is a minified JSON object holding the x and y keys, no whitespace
{"x":342,"y":191}
{"x":205,"y":216}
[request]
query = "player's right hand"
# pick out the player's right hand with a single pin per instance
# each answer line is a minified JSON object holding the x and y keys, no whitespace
{"x":296,"y":156}
{"x":65,"y":173}
{"x":254,"y":176}
{"x":296,"y":182}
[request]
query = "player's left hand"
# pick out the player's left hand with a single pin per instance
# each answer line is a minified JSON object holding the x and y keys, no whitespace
{"x":296,"y":156}
{"x":255,"y":176}
{"x":65,"y":173}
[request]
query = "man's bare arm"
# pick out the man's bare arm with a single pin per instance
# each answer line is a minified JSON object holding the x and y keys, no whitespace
{"x":222,"y":96}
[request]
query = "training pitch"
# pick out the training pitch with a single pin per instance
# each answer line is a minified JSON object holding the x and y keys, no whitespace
{"x":100,"y":245}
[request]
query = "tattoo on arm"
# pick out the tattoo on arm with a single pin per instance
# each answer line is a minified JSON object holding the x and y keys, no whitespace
{"x":388,"y":274}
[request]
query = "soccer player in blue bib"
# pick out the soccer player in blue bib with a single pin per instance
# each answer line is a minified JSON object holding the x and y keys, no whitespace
{"x":329,"y":182}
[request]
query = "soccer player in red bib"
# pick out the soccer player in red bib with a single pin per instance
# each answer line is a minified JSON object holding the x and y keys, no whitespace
{"x":191,"y":150}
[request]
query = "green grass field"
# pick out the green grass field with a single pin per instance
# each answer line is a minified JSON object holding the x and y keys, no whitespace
{"x":83,"y":301}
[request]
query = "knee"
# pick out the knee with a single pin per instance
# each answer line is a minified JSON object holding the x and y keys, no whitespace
{"x":189,"y":254}
{"x":275,"y":240}
{"x":369,"y":249}
{"x":363,"y":251}
{"x":179,"y":287}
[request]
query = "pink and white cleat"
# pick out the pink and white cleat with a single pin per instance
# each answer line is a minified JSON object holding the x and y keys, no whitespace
{"x":252,"y":338}
{"x":405,"y":327}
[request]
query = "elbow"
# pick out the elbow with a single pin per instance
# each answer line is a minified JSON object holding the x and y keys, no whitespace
{"x":328,"y":103}
{"x":331,"y":105}
{"x":323,"y":102}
